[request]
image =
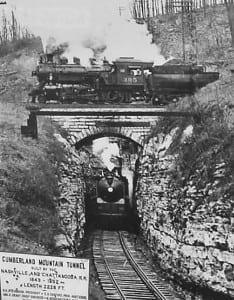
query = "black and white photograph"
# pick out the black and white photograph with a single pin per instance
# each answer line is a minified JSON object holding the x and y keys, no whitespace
{"x":117,"y":150}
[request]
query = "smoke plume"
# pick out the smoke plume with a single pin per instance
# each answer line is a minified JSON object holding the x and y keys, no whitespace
{"x":53,"y":48}
{"x":90,"y":27}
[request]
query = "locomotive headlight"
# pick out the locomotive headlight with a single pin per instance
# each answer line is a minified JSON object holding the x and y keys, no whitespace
{"x":110,"y":189}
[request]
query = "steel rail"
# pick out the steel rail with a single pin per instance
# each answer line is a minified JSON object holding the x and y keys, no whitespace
{"x":152,"y":287}
{"x":123,"y":276}
{"x":109,"y":271}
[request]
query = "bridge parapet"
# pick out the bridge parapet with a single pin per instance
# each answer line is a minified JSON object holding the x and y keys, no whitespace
{"x":83,"y":122}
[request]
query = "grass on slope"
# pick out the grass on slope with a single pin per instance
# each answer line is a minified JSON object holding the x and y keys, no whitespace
{"x":29,"y":185}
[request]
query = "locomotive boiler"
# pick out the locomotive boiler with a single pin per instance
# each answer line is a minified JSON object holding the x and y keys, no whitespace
{"x":125,"y":80}
{"x":111,"y":208}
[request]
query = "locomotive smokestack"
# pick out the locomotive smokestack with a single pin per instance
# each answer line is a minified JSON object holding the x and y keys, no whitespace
{"x":93,"y":61}
{"x":49,"y":57}
{"x":76,"y":60}
{"x":63,"y":60}
{"x":105,"y":61}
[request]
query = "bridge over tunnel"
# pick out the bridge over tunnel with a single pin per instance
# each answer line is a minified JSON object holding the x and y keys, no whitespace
{"x":83,"y":122}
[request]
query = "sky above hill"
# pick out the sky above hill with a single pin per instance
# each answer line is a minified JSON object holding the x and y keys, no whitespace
{"x":49,"y":14}
{"x":87,"y":25}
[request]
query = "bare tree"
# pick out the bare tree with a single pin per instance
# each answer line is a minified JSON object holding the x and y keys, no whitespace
{"x":230,"y":11}
{"x":4,"y":28}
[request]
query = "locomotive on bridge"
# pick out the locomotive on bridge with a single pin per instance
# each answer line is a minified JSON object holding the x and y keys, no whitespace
{"x":111,"y":206}
{"x":125,"y":80}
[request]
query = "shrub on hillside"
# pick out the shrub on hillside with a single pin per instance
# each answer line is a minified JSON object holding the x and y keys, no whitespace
{"x":35,"y":185}
{"x":39,"y":224}
{"x":13,"y":46}
{"x":212,"y":143}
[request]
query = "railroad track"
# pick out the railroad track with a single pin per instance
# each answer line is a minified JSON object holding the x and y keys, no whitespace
{"x":123,"y":273}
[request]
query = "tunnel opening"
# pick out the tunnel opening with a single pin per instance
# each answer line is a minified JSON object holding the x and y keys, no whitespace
{"x":110,"y":179}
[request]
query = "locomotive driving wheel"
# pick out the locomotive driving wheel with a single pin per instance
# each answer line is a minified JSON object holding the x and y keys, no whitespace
{"x":115,"y":96}
{"x":128,"y":97}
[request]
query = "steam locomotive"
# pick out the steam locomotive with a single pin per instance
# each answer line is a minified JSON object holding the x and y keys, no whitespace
{"x":111,"y":207}
{"x":125,"y":80}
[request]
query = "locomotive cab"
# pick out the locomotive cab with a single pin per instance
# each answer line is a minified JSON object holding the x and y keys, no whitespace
{"x":125,"y":81}
{"x":128,"y":71}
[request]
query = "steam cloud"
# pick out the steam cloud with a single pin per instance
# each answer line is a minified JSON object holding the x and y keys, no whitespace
{"x":108,"y":152}
{"x":98,"y":47}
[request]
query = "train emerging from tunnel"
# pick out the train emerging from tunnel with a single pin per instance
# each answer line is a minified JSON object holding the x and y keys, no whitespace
{"x":125,"y":80}
{"x":111,"y":205}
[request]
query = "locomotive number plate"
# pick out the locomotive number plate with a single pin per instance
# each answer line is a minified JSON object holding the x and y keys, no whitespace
{"x":130,"y":80}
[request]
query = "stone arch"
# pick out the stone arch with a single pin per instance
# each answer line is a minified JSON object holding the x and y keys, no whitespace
{"x":84,"y":140}
{"x":79,"y":139}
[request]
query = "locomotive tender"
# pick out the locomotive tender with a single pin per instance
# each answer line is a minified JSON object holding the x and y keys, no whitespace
{"x":124,"y":81}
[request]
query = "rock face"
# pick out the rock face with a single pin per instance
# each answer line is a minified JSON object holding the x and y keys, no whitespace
{"x":190,"y":235}
{"x":206,"y":34}
{"x":71,"y":205}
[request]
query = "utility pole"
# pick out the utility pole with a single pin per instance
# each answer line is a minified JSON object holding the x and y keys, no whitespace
{"x":182,"y":23}
{"x":121,"y":9}
{"x":185,"y":6}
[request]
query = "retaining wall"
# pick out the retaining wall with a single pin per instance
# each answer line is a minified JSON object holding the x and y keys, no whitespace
{"x":191,"y":236}
{"x":71,"y":202}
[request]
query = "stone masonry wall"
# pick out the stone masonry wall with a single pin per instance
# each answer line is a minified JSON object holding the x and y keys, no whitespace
{"x":191,"y":237}
{"x":81,"y":122}
{"x":71,"y":206}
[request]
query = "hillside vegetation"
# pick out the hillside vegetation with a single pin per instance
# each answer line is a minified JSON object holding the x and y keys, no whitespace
{"x":213,"y":138}
{"x":28,"y":168}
